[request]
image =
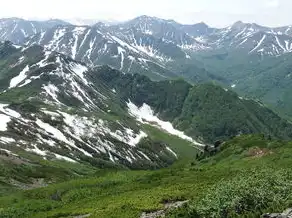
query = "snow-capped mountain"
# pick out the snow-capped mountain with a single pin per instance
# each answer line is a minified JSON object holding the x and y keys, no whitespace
{"x":252,"y":38}
{"x":58,"y":108}
{"x":148,"y":45}
{"x":17,"y":29}
{"x":165,"y":30}
{"x":156,"y":47}
{"x":98,"y":45}
{"x":59,"y":113}
{"x":145,"y":39}
{"x":197,"y":30}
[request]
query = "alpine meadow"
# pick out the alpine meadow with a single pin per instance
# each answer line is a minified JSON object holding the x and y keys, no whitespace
{"x":144,"y":117}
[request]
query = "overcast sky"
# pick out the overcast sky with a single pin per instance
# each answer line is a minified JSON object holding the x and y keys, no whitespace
{"x":214,"y":12}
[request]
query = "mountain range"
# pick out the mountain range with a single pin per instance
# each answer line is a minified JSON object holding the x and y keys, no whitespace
{"x":57,"y":107}
{"x":139,"y":94}
{"x":152,"y":46}
{"x":238,"y":56}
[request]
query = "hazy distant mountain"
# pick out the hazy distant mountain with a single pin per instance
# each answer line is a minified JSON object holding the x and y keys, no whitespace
{"x":16,"y":29}
{"x":164,"y":49}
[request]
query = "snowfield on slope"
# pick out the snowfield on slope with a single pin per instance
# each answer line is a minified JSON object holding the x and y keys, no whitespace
{"x":145,"y":113}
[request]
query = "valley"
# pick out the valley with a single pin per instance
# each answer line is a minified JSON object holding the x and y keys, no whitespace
{"x":132,"y":118}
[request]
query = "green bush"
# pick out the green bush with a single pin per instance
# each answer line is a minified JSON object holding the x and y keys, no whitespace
{"x":250,"y":191}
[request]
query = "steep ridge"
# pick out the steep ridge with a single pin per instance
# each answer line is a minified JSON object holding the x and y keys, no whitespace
{"x":164,"y":49}
{"x":205,"y":112}
{"x":129,"y":48}
{"x":163,"y":40}
{"x":51,"y":108}
{"x":166,"y":30}
{"x":97,"y":46}
{"x":251,"y":38}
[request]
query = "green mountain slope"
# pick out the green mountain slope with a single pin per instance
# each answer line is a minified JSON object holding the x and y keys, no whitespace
{"x":250,"y":176}
{"x":51,"y":112}
{"x":267,"y":79}
{"x":61,"y":117}
{"x":206,"y":112}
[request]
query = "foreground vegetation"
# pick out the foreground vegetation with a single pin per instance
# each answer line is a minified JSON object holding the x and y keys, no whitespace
{"x":251,"y":175}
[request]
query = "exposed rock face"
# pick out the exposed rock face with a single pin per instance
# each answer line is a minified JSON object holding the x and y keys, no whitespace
{"x":286,"y":214}
{"x":161,"y":213}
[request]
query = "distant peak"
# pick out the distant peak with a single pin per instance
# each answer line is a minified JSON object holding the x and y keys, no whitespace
{"x":13,"y":18}
{"x":55,"y":20}
{"x":143,"y":17}
{"x":171,"y":21}
{"x":201,"y":24}
{"x":238,"y":24}
{"x":100,"y":24}
{"x":149,"y":18}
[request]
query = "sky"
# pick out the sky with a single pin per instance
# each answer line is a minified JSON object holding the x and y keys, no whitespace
{"x":216,"y":13}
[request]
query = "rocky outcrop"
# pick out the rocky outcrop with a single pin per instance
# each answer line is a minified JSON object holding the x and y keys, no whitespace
{"x":286,"y":214}
{"x":161,"y":213}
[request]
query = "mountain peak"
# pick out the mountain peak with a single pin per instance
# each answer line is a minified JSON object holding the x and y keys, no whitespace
{"x":100,"y":24}
{"x":238,"y":24}
{"x":57,"y":22}
{"x":201,"y":24}
{"x":241,"y":24}
{"x":17,"y":19}
{"x":146,"y":18}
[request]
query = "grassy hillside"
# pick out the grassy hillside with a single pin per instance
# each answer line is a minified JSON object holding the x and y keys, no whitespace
{"x":28,"y":170}
{"x":267,"y":79}
{"x":217,"y":114}
{"x":205,"y":111}
{"x":251,"y":175}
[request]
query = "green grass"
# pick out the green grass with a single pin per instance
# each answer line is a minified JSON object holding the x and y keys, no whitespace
{"x":35,"y":167}
{"x":235,"y":171}
{"x":182,"y":147}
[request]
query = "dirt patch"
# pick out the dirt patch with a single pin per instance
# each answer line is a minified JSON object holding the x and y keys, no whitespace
{"x":161,"y":213}
{"x":36,"y":183}
{"x":258,"y":152}
{"x":83,"y":216}
{"x":12,"y":159}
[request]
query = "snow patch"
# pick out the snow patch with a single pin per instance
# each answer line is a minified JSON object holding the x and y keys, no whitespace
{"x":9,"y":112}
{"x":79,"y":70}
{"x":36,"y":150}
{"x":51,"y":113}
{"x":54,"y":44}
{"x":4,"y":121}
{"x":144,"y":155}
{"x":131,"y":58}
{"x":52,"y":90}
{"x":124,"y":44}
{"x":61,"y":157}
{"x":145,"y":113}
{"x":121,"y":52}
{"x":57,"y":134}
{"x":18,"y":79}
{"x":5,"y":118}
{"x":7,"y":140}
{"x":277,"y":39}
{"x":76,"y":32}
{"x":259,"y":44}
{"x":133,"y":139}
{"x":171,"y":151}
{"x":8,"y":152}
